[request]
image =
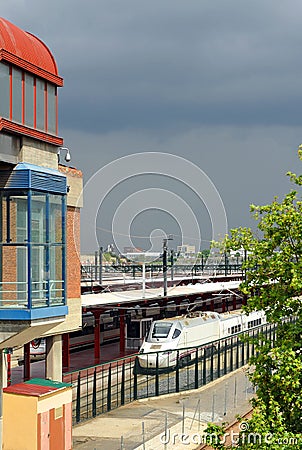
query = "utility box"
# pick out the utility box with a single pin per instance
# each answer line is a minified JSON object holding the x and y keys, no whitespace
{"x":37,"y":415}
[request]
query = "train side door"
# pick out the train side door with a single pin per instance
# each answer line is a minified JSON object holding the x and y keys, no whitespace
{"x":145,"y":326}
{"x":135,"y":332}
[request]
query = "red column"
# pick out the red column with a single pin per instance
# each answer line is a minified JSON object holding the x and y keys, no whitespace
{"x":212,"y":305}
{"x":122,"y":333}
{"x":66,"y":351}
{"x":97,"y":337}
{"x":26,"y":371}
{"x":234,"y":302}
{"x":9,"y":369}
{"x":223,"y":304}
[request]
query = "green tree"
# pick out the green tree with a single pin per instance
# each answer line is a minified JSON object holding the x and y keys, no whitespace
{"x":273,"y":283}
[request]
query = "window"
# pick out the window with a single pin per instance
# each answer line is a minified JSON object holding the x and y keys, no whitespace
{"x":17,"y":95}
{"x":51,"y":108}
{"x":29,"y":100}
{"x":4,"y":90}
{"x":28,"y":97}
{"x":161,"y":329}
{"x":40,"y":95}
{"x":32,"y":236}
{"x":176,"y":333}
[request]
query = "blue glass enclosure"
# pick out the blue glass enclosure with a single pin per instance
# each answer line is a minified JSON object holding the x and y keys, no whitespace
{"x":32,"y":242}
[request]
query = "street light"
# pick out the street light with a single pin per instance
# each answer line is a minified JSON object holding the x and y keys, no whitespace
{"x":165,"y":266}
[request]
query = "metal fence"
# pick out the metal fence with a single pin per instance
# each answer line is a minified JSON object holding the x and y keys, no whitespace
{"x":101,"y":388}
{"x":93,"y":272}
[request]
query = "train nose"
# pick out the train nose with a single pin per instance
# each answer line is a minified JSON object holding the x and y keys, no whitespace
{"x":148,"y":360}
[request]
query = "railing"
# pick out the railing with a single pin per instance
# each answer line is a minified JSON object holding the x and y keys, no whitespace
{"x":92,"y":272}
{"x":99,"y":389}
{"x":15,"y":294}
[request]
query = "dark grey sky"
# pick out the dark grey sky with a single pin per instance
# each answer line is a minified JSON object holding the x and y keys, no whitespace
{"x":218,"y":83}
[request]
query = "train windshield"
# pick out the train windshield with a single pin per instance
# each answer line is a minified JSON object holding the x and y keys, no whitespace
{"x":160,"y":329}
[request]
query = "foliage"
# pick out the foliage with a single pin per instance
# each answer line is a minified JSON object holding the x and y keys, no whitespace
{"x":273,"y":283}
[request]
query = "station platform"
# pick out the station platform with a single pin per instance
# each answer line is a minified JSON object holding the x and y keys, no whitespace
{"x":85,"y":358}
{"x":78,"y":360}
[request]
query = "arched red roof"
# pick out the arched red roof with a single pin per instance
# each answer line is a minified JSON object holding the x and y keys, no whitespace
{"x":27,"y":51}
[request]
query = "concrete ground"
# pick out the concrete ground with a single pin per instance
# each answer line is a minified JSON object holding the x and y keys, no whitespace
{"x":173,"y":421}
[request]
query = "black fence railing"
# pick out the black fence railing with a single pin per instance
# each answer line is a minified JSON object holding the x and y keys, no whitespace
{"x":99,"y":389}
{"x":92,"y":271}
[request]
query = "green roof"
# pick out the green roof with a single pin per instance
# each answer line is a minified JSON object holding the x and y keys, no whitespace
{"x":47,"y":382}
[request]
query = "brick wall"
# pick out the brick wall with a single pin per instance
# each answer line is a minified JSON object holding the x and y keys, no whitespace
{"x":73,"y":253}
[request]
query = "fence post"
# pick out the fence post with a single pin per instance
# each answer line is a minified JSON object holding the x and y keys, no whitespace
{"x":242,"y":353}
{"x":231,"y":355}
{"x":218,"y":360}
{"x":212,"y":363}
{"x":177,"y":373}
{"x":94,"y":394}
{"x":253,"y":344}
{"x":135,"y":386}
{"x":109,"y":390}
{"x":225,"y":362}
{"x":156,"y":377}
{"x":123,"y":385}
{"x":204,"y":368}
{"x":237,"y":352}
{"x":196,"y":369}
{"x":78,"y":405}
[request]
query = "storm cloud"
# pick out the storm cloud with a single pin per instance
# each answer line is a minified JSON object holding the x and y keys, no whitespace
{"x":215,"y":82}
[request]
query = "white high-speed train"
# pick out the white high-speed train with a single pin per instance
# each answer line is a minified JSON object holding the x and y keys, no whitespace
{"x":171,"y":341}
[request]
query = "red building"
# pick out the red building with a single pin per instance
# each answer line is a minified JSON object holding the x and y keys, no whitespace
{"x":40,"y":204}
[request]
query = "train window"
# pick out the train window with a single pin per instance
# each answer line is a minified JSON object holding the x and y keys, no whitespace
{"x":176,"y":333}
{"x":161,"y":329}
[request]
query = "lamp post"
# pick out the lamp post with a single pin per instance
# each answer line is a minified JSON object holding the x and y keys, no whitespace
{"x":101,"y":266}
{"x":172,"y":264}
{"x":165,"y":266}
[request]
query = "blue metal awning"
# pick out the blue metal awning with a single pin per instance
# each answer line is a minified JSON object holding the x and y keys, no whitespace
{"x":29,"y":176}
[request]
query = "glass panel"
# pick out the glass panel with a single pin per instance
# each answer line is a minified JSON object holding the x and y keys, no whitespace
{"x":161,"y":329}
{"x":21,"y":219}
{"x":29,"y":100}
{"x":38,"y":276}
{"x":55,"y":219}
{"x":13,"y":285}
{"x":4,"y":90}
{"x":56,"y":284}
{"x":14,"y":210}
{"x":40,"y":87}
{"x":51,"y":103}
{"x":38,"y":218}
{"x":17,"y":95}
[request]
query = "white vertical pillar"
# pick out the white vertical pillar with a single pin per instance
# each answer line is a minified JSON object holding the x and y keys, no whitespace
{"x":144,"y":279}
{"x":53,"y":361}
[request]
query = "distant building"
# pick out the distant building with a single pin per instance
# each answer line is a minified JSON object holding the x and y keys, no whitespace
{"x":132,"y":250}
{"x":186,"y":250}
